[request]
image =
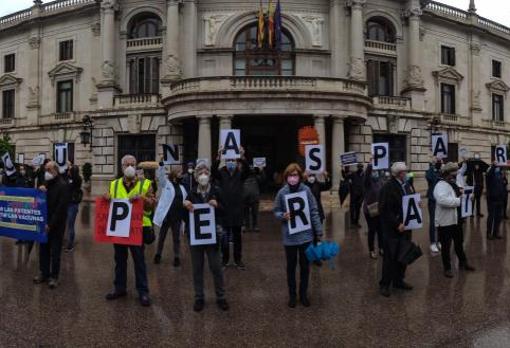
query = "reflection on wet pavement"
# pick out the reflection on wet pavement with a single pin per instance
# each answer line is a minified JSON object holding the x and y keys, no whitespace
{"x":469,"y":310}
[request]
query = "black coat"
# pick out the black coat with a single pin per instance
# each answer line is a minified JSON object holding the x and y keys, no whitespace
{"x":231,"y":186}
{"x":356,"y":181}
{"x":57,"y":198}
{"x":317,"y":187}
{"x":197,"y":198}
{"x":189,"y":182}
{"x":496,"y":188}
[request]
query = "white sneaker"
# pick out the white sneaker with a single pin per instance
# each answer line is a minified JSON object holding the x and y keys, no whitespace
{"x":433,"y":248}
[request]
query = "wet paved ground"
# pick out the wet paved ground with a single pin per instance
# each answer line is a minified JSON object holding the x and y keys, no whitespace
{"x":470,"y":310}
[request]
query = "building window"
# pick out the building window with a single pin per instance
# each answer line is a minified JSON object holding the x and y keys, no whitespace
{"x":397,"y":146}
{"x":65,"y":96}
{"x":8,"y":99}
{"x":448,"y":55}
{"x":249,"y":59}
{"x":498,"y":108}
{"x":66,"y":50}
{"x":496,"y":69}
{"x":143,"y":147}
{"x":380,"y":29}
{"x":380,"y":78}
{"x":447,"y":99}
{"x":9,"y":63}
{"x":144,"y":25}
{"x":144,"y":74}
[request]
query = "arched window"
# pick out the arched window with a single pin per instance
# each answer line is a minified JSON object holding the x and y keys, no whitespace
{"x":380,"y":29}
{"x":144,"y":25}
{"x":249,"y":59}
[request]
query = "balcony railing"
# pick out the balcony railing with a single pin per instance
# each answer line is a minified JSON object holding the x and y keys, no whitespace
{"x":381,"y":46}
{"x":487,"y":23}
{"x":60,"y":118}
{"x":392,"y":102}
{"x":145,"y":43}
{"x":60,"y":4}
{"x":127,"y":101}
{"x":6,"y":122}
{"x":454,"y":119}
{"x":496,"y":124}
{"x":446,"y":10}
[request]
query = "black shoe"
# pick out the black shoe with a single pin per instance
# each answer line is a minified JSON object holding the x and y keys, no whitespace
{"x":385,"y":291}
{"x":39,"y":279}
{"x":115,"y":295}
{"x":403,"y":286}
{"x":177,"y":262}
{"x":199,"y":305}
{"x":448,"y":274}
{"x":145,"y":300}
{"x":240,"y":266}
{"x":157,"y":259}
{"x":223,"y":304}
{"x":467,"y":267}
{"x":304,"y":301}
{"x":52,"y":283}
{"x":292,"y":302}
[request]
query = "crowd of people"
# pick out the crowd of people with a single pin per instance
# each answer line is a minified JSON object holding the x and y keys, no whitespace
{"x":232,"y":187}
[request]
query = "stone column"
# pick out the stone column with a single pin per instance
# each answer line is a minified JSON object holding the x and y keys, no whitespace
{"x":34,"y":71}
{"x":320,"y":127}
{"x":172,"y":66}
{"x":335,"y":37}
{"x":415,"y":84}
{"x":337,"y":148}
{"x":189,"y":57}
{"x":107,"y":87}
{"x":225,"y":123}
{"x":204,"y":137}
{"x":357,"y":69}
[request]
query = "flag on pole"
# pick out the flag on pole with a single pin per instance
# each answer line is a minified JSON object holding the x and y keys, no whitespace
{"x":278,"y":26}
{"x":261,"y":27}
{"x":270,"y":15}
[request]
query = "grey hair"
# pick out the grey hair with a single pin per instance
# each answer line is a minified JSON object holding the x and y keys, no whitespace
{"x":126,"y":158}
{"x":398,"y":167}
{"x":200,"y":169}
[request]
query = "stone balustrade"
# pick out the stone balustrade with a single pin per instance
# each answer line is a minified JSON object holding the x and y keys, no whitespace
{"x":454,"y":119}
{"x":447,"y":10}
{"x":145,"y":43}
{"x":496,"y":124}
{"x":60,"y":118}
{"x":381,"y":46}
{"x":392,"y":102}
{"x":7,"y":122}
{"x":129,"y":101}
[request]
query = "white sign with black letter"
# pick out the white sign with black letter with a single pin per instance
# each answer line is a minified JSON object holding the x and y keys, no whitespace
{"x":171,"y":154}
{"x":230,"y":139}
{"x":119,"y":218}
{"x":440,"y":145}
{"x":8,"y":165}
{"x":61,"y":156}
{"x":467,"y":202}
{"x":38,"y":160}
{"x":314,"y":159}
{"x":500,"y":154}
{"x":413,"y":217}
{"x":380,"y":156}
{"x":259,"y":162}
{"x":202,"y":225}
{"x":298,"y":208}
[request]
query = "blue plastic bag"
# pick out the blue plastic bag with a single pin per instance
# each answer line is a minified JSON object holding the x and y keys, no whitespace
{"x":324,"y":251}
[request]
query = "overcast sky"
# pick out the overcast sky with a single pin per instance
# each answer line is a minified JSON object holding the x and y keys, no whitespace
{"x":497,"y":10}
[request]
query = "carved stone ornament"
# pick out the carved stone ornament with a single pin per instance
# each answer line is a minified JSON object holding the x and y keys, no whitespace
{"x":212,"y":24}
{"x":498,"y":86}
{"x":65,"y":70}
{"x":315,"y":27}
{"x":414,"y":77}
{"x":448,"y":73}
{"x":109,"y":5}
{"x":412,"y":12}
{"x":108,"y":70}
{"x":358,"y":4}
{"x":96,"y":29}
{"x":34,"y":42}
{"x":9,"y":80}
{"x":357,"y":69}
{"x":475,"y":103}
{"x":33,"y":97}
{"x":172,"y":67}
{"x":475,"y":48}
{"x":393,"y":122}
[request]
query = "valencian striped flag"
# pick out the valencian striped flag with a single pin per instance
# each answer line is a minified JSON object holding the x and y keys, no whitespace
{"x":261,"y":27}
{"x":278,"y":26}
{"x":270,"y":24}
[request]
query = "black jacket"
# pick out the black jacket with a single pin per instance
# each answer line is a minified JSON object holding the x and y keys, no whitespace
{"x":390,"y":208}
{"x":57,"y":197}
{"x":317,"y":187}
{"x":231,"y":186}
{"x":355,"y":180}
{"x":197,"y":198}
{"x":496,"y":188}
{"x":76,"y":194}
{"x":189,"y":182}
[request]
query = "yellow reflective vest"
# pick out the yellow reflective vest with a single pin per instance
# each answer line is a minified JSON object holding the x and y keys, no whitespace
{"x":141,"y":188}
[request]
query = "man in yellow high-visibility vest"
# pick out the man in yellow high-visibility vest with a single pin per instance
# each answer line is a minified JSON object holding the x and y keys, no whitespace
{"x":128,"y":186}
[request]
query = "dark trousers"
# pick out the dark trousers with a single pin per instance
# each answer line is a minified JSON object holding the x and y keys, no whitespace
{"x":374,"y":228}
{"x":251,"y":210}
{"x":446,"y":235}
{"x":234,"y":233}
{"x":505,"y":205}
{"x":176,"y":236}
{"x":121,"y":256}
{"x":49,"y":255}
{"x":393,"y":272}
{"x":292,"y":253}
{"x":198,"y":253}
{"x":478,"y":196}
{"x":494,"y":218}
{"x":355,"y":207}
{"x":432,"y":224}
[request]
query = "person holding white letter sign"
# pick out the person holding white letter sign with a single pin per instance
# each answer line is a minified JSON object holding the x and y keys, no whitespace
{"x":297,"y":210}
{"x":202,"y":229}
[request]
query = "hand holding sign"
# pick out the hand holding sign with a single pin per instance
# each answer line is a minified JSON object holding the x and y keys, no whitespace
{"x":230,"y":140}
{"x":298,"y":212}
{"x":118,"y":221}
{"x":202,"y":225}
{"x":467,"y":201}
{"x":413,"y":217}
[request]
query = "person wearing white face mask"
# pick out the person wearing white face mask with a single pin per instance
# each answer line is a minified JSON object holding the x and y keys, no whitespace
{"x":206,"y":193}
{"x":57,"y":198}
{"x":188,"y":178}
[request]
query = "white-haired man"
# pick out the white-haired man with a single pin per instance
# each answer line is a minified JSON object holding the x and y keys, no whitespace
{"x":129,"y":187}
{"x":392,"y":217}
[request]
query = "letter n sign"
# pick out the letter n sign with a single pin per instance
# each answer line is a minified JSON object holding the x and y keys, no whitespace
{"x":119,"y":218}
{"x":298,"y":207}
{"x":171,"y":154}
{"x":202,"y":225}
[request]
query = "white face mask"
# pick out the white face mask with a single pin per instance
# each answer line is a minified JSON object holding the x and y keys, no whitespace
{"x":48,"y":176}
{"x":311,"y":179}
{"x":190,"y":171}
{"x":129,"y":172}
{"x":203,"y":180}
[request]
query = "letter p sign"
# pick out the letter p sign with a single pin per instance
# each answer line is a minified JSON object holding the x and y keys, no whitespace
{"x":119,"y":218}
{"x":380,"y":156}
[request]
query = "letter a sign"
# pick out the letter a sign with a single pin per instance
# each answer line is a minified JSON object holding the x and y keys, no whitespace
{"x":297,"y":206}
{"x":501,"y":154}
{"x":171,"y":154}
{"x":440,"y":145}
{"x":202,"y":225}
{"x":230,"y":139}
{"x":119,"y":218}
{"x":413,"y":217}
{"x":380,"y":156}
{"x":314,"y":158}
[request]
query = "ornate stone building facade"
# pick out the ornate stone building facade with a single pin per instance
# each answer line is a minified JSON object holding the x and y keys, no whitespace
{"x":178,"y":71}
